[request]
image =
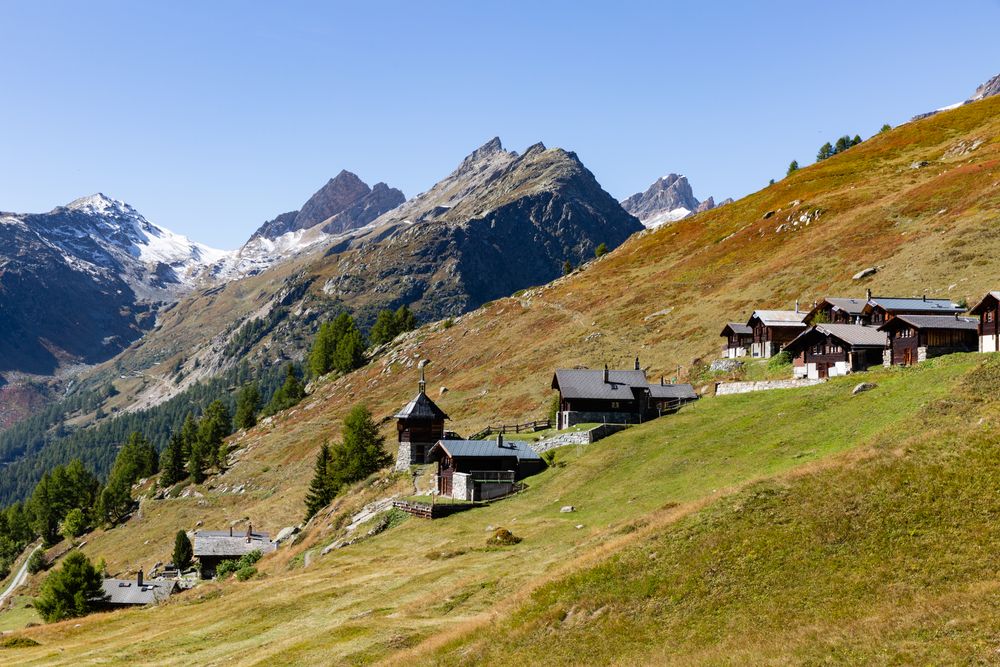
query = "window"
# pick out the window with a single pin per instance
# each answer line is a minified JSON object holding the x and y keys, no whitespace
{"x":988,"y":316}
{"x":614,"y":405}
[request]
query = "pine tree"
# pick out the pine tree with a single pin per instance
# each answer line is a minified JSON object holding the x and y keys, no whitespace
{"x":885,"y":128}
{"x":189,"y":435}
{"x":601,"y":250}
{"x":42,"y":506}
{"x":321,"y":489}
{"x":843,"y":143}
{"x":247,"y":405}
{"x":384,"y":329}
{"x":350,"y":352}
{"x":825,"y":151}
{"x":567,"y":268}
{"x":792,"y":167}
{"x":183,"y":552}
{"x":69,"y":591}
{"x":197,"y":463}
{"x":172,"y":461}
{"x":213,"y":428}
{"x":321,"y":354}
{"x":361,"y":452}
{"x":405,"y":320}
{"x":856,"y":140}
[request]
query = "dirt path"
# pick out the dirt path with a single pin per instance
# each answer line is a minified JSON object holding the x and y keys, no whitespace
{"x":19,"y":578}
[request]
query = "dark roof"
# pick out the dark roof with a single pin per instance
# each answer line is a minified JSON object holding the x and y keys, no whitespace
{"x":737,"y":328}
{"x":852,"y":335}
{"x":589,"y":383}
{"x":421,"y":407}
{"x":981,"y":306}
{"x":220,"y":543}
{"x":128,"y":591}
{"x":486,"y":448}
{"x":851,"y":306}
{"x":916,"y":304}
{"x":682,"y":391}
{"x":934,"y":322}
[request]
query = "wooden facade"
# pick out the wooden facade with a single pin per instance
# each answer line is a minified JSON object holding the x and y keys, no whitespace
{"x":419,"y":425}
{"x":988,"y":311}
{"x":838,"y":310}
{"x":830,"y":350}
{"x":482,"y":469}
{"x":916,"y":338}
{"x":773,"y":330}
{"x":739,"y":338}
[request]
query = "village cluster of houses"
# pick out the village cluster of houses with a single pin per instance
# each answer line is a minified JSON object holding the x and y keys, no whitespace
{"x":838,"y":336}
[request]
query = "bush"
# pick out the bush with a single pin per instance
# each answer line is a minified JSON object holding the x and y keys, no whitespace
{"x":75,"y":524}
{"x":37,"y":562}
{"x":18,"y":642}
{"x":245,"y":573}
{"x":502,"y":538}
{"x":448,"y":323}
{"x":245,"y":562}
{"x":182,"y":551}
{"x":779,"y":360}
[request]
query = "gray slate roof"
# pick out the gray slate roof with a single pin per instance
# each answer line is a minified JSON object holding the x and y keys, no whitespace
{"x":487,"y":448}
{"x":935,"y":322}
{"x":930,"y":306}
{"x":682,"y":391}
{"x":128,"y":591}
{"x":589,"y":383}
{"x":855,"y":335}
{"x":851,"y":306}
{"x":421,"y":407}
{"x":219,"y":543}
{"x":737,"y":328}
{"x":779,"y":318}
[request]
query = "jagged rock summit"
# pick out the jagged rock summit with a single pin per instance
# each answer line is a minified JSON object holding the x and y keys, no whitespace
{"x":669,"y":199}
{"x":984,"y":90}
{"x":81,"y":282}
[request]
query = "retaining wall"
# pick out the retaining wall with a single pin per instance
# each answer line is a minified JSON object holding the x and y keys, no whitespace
{"x":727,"y":388}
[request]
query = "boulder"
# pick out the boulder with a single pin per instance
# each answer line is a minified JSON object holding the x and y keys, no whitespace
{"x":863,"y":387}
{"x":864,"y":273}
{"x":285,"y":534}
{"x":768,"y":215}
{"x":567,"y":509}
{"x":726,"y":365}
{"x":919,"y":164}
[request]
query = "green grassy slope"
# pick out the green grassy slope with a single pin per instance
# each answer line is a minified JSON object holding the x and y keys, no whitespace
{"x":420,"y":579}
{"x":887,"y":559}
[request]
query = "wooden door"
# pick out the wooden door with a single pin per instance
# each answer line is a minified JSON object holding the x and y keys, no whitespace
{"x":823,"y":370}
{"x":907,"y":357}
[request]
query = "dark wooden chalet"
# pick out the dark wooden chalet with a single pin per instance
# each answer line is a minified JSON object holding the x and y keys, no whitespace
{"x":773,"y":329}
{"x":738,"y":337}
{"x":831,"y":350}
{"x":482,"y":469}
{"x":419,"y":424}
{"x":916,"y":338}
{"x":123,"y":593}
{"x":988,"y":311}
{"x":211,"y":547}
{"x":881,"y":309}
{"x":613,"y":396}
{"x":838,"y":310}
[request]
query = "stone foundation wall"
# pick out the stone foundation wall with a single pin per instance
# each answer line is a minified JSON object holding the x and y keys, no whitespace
{"x":578,"y":438}
{"x":403,"y":457}
{"x":728,"y":388}
{"x":460,"y":486}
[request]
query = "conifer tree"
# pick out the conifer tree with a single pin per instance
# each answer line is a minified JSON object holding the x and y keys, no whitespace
{"x":885,"y":128}
{"x":601,"y":250}
{"x":247,"y":405}
{"x":825,"y":151}
{"x":183,"y":552}
{"x":321,"y":489}
{"x":189,"y":435}
{"x":172,"y":461}
{"x":361,"y":452}
{"x":213,"y":428}
{"x":69,"y":591}
{"x":350,"y":352}
{"x":567,"y":268}
{"x":384,"y":329}
{"x":792,"y":167}
{"x":197,"y":462}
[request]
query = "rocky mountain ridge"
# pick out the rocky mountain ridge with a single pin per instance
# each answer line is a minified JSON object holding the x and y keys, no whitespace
{"x":669,"y":199}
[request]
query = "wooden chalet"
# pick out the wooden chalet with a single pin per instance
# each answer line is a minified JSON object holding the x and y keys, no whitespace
{"x":831,"y":350}
{"x":419,"y":424}
{"x":211,"y":547}
{"x":773,"y":329}
{"x":482,"y":469}
{"x":738,"y":337}
{"x":916,"y":338}
{"x":123,"y":593}
{"x":988,"y":311}
{"x":838,"y":310}
{"x":614,"y":396}
{"x":881,"y":309}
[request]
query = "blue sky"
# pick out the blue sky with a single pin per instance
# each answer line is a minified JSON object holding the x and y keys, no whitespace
{"x":211,"y":117}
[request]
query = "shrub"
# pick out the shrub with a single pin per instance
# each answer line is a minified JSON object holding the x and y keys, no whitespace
{"x":245,"y":573}
{"x":182,"y":551}
{"x":502,"y":538}
{"x":246,"y":561}
{"x":18,"y":642}
{"x":74,"y":524}
{"x":779,"y":360}
{"x":37,"y":562}
{"x":448,"y":323}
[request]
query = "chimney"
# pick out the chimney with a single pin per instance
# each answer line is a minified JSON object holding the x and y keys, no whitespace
{"x":230,"y":531}
{"x":139,"y":578}
{"x":661,"y":380}
{"x":868,"y":293}
{"x":637,"y":363}
{"x":924,"y":297}
{"x":796,"y":305}
{"x":249,"y":532}
{"x":605,"y":373}
{"x":422,"y":385}
{"x":500,"y":439}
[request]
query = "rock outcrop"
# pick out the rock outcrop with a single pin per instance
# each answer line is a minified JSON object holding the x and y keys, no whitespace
{"x":669,"y":199}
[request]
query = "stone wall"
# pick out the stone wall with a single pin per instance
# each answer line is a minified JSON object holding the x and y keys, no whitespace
{"x":403,"y":457}
{"x":577,"y":438}
{"x":728,"y":388}
{"x":574,"y":417}
{"x":461,"y":486}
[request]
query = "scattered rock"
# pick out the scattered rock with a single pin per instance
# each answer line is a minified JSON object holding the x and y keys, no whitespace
{"x":864,"y":273}
{"x":579,"y":526}
{"x":780,"y":228}
{"x":285,"y":533}
{"x":726,"y":365}
{"x":442,"y":391}
{"x":863,"y":387}
{"x":568,"y":508}
{"x":328,"y":548}
{"x":768,"y":215}
{"x":919,"y":164}
{"x":794,"y":203}
{"x":659,"y":313}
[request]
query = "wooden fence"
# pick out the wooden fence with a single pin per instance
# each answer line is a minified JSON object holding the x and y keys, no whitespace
{"x":527,"y":427}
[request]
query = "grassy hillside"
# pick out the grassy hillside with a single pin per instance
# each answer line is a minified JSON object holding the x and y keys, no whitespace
{"x":662,"y":295}
{"x":421,"y":579}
